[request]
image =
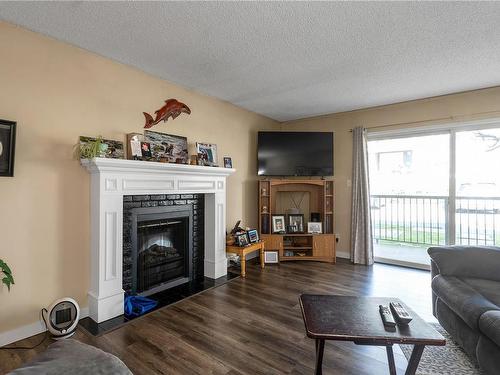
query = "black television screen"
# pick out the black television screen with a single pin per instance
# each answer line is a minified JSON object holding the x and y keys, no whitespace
{"x":295,"y":154}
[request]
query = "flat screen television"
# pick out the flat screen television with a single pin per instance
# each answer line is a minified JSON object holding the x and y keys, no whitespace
{"x":295,"y":154}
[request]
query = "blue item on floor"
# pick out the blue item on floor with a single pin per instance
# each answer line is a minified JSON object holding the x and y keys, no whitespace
{"x":137,"y":305}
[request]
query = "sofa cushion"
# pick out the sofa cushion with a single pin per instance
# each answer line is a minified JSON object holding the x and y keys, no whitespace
{"x":464,"y":300}
{"x":490,"y":289}
{"x":489,"y":325}
{"x":75,"y":358}
{"x":467,"y":261}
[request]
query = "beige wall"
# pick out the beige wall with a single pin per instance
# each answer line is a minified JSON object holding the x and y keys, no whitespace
{"x":426,"y":112}
{"x":57,"y":92}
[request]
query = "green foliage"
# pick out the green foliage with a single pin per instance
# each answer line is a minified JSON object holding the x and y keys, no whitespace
{"x":7,"y":279}
{"x":91,"y":149}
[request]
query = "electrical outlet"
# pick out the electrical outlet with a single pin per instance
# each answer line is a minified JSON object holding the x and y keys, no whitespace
{"x":337,"y":238}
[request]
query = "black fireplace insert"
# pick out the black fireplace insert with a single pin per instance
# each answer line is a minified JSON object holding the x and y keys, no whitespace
{"x":161,"y":248}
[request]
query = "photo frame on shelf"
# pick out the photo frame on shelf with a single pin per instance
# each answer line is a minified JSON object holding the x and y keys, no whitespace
{"x":278,"y":224}
{"x":241,"y":239}
{"x":253,"y":235}
{"x":207,"y":153}
{"x":7,"y":147}
{"x":134,"y":151}
{"x":167,"y":148}
{"x":314,"y":227}
{"x":296,"y":223}
{"x":108,"y":148}
{"x":228,"y":162}
{"x":146,"y":150}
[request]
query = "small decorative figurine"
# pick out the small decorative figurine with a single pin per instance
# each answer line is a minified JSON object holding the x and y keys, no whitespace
{"x":194,"y":160}
{"x":172,"y":108}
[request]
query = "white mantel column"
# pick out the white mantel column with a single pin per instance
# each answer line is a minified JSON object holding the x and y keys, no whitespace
{"x":215,"y":234}
{"x":106,"y":295}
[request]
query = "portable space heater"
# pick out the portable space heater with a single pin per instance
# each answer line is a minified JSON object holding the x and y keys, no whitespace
{"x":61,"y":318}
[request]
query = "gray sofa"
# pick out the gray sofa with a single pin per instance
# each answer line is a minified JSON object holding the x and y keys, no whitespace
{"x":71,"y":357}
{"x":466,"y":299}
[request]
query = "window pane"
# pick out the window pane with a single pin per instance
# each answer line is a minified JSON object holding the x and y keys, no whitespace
{"x":478,"y":162}
{"x":410,"y":166}
{"x":478,"y":187}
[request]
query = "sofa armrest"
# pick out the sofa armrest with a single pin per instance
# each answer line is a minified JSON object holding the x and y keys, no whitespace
{"x":489,"y":324}
{"x":434,"y":273}
{"x":467,"y":261}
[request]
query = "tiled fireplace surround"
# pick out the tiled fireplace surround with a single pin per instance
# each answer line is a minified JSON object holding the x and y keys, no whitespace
{"x":196,"y":203}
{"x":117,"y":184}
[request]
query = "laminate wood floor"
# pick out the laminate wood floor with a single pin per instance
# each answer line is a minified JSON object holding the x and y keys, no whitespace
{"x":254,"y":325}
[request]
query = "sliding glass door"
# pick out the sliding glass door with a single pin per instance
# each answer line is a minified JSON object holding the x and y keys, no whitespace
{"x":409,"y":183}
{"x":433,"y":189}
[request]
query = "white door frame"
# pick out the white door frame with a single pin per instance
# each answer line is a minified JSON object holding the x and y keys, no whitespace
{"x":434,"y":129}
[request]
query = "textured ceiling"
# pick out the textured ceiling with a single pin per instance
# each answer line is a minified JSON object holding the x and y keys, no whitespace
{"x":287,"y":60}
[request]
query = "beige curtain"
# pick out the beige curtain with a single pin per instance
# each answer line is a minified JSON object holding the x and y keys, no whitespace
{"x":361,"y":233}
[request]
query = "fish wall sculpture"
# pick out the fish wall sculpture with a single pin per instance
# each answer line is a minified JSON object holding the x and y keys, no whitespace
{"x":172,"y":108}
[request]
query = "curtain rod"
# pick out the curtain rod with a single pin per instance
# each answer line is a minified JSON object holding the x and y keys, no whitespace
{"x":423,"y":122}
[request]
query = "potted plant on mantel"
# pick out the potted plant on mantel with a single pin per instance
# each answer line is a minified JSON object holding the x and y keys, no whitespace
{"x":93,"y":148}
{"x":5,"y":271}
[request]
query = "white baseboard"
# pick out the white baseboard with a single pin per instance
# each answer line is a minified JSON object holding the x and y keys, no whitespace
{"x":343,"y":254}
{"x":29,"y":330}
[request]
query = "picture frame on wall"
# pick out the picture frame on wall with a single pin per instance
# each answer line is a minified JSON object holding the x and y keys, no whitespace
{"x":7,"y":147}
{"x":207,"y":153}
{"x":278,"y":223}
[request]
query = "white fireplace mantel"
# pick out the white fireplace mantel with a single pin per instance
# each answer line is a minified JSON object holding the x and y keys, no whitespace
{"x":111,"y":179}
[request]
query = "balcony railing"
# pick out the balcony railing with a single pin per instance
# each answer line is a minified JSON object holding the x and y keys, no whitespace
{"x":425,"y":220}
{"x":478,"y":221}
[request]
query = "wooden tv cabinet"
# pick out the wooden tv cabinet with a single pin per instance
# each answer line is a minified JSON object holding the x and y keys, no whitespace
{"x":320,"y":248}
{"x":314,"y":195}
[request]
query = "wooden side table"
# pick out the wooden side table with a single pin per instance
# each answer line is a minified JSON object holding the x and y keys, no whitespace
{"x":244,"y":250}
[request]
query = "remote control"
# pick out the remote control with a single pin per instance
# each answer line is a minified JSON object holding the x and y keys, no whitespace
{"x":386,"y":315}
{"x":400,"y":313}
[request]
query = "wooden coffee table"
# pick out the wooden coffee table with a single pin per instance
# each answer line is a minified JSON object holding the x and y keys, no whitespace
{"x":357,"y":319}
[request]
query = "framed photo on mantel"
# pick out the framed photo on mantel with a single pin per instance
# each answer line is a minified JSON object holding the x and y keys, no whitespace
{"x":7,"y":147}
{"x":207,"y":153}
